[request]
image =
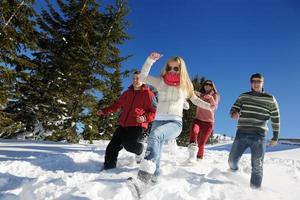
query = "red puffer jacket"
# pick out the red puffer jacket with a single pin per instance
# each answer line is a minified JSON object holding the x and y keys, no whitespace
{"x":134,"y":103}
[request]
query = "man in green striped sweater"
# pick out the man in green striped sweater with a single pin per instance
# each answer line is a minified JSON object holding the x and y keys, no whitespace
{"x":253,"y":110}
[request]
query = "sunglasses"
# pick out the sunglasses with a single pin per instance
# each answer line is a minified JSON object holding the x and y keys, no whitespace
{"x":256,"y":81}
{"x":170,"y":68}
{"x":210,"y":84}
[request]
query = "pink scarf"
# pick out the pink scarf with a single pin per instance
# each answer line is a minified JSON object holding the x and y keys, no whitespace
{"x":172,"y":79}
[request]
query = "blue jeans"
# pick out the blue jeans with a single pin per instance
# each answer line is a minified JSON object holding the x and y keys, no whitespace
{"x":257,"y":145}
{"x":161,"y":132}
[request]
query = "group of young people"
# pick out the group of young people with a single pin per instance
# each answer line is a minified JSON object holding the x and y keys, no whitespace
{"x":140,"y":107}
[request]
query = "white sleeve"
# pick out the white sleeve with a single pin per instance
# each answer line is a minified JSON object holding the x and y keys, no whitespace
{"x":200,"y":103}
{"x":144,"y":75}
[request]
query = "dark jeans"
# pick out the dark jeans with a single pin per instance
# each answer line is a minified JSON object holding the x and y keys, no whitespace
{"x":126,"y":137}
{"x":257,"y":145}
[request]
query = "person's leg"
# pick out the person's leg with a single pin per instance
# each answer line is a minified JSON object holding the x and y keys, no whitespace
{"x":194,"y":131}
{"x":206,"y":130}
{"x":168,"y":130}
{"x":258,"y":148}
{"x":130,"y":139}
{"x":239,"y":145}
{"x":161,"y":130}
{"x":113,"y":148}
{"x":193,"y":147}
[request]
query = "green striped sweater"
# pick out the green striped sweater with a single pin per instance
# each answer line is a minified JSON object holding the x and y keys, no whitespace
{"x":255,"y":110}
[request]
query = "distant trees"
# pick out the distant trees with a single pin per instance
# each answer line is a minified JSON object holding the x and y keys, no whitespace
{"x":57,"y":64}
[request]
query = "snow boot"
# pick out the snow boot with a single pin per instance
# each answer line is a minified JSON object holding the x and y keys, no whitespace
{"x":193,"y":150}
{"x":138,"y":186}
{"x":155,"y":179}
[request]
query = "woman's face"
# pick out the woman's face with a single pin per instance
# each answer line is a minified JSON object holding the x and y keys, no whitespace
{"x":173,"y":67}
{"x":208,"y":86}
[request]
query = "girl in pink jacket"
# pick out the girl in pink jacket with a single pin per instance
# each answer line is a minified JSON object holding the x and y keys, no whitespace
{"x":203,"y":122}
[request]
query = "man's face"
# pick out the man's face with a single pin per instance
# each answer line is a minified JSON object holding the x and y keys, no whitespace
{"x":136,"y":81}
{"x":257,"y":84}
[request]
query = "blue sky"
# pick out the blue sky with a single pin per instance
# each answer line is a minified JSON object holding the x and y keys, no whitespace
{"x":225,"y":41}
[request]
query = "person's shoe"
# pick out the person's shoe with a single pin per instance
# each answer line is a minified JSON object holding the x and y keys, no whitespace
{"x":193,"y":150}
{"x":255,"y":187}
{"x":138,"y":186}
{"x":107,"y":166}
{"x":154,"y":180}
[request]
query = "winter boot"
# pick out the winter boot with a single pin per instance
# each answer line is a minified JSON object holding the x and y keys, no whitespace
{"x":155,"y":179}
{"x":193,"y":150}
{"x":139,"y":186}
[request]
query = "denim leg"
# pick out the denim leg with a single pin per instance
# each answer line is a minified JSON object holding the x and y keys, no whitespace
{"x":160,"y":132}
{"x":238,"y":147}
{"x":258,"y":148}
{"x":157,"y":171}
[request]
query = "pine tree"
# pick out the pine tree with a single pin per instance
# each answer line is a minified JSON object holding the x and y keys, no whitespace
{"x":17,"y":39}
{"x":79,"y":56}
{"x":58,"y":69}
{"x":188,"y":115}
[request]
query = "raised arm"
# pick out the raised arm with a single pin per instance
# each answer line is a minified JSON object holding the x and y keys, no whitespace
{"x":144,"y":75}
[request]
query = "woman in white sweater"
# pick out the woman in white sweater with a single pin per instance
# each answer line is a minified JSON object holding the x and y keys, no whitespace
{"x":174,"y":87}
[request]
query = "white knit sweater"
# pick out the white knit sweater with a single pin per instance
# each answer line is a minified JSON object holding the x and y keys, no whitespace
{"x":170,"y":99}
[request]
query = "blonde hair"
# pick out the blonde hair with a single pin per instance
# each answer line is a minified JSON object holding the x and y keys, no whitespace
{"x":185,"y":81}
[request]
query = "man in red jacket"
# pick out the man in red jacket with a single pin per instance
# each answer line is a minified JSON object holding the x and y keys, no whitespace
{"x":137,"y":111}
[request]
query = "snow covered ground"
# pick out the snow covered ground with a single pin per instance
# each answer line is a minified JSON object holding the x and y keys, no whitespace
{"x":32,"y":170}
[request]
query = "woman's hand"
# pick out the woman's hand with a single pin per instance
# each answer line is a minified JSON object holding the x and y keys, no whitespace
{"x":207,"y":96}
{"x":155,"y":56}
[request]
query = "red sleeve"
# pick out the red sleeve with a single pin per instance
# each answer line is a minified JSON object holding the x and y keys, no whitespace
{"x":150,"y":110}
{"x":116,"y":105}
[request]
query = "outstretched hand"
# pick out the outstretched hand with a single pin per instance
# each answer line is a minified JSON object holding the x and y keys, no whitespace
{"x":208,"y":96}
{"x":155,"y":56}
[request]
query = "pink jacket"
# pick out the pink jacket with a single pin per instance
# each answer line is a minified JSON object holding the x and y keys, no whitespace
{"x":208,"y":115}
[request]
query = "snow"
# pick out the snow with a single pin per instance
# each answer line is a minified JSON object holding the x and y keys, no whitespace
{"x":48,"y":170}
